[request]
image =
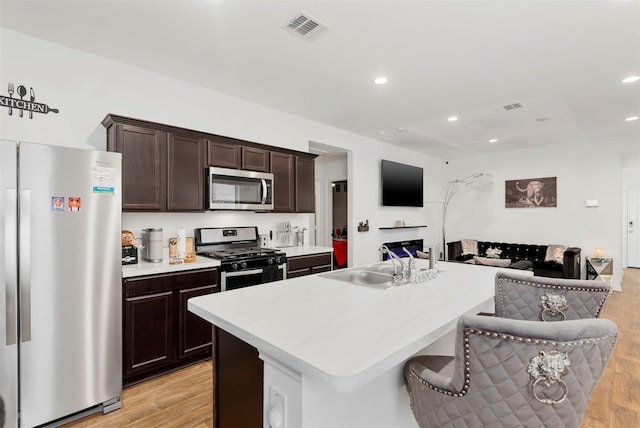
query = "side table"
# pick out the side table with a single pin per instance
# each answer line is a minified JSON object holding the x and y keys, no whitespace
{"x":600,"y":269}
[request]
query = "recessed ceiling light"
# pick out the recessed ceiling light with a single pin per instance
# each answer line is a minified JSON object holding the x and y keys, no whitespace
{"x":400,"y":129}
{"x":382,"y":132}
{"x":452,"y":118}
{"x":629,"y":119}
{"x":631,"y":79}
{"x":493,"y":140}
{"x":380,"y":80}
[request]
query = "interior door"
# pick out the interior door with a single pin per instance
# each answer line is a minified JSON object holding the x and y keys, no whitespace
{"x":633,"y":227}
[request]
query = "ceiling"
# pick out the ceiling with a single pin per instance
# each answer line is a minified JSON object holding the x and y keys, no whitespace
{"x":561,"y":61}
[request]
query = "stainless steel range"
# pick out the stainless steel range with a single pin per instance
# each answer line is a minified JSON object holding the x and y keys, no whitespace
{"x":243,"y":262}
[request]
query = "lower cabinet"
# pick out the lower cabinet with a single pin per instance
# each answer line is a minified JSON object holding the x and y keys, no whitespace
{"x":238,"y":375}
{"x":307,"y":265}
{"x":159,"y":333}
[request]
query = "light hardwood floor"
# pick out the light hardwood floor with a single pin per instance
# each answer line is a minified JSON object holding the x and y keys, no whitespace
{"x":184,"y":398}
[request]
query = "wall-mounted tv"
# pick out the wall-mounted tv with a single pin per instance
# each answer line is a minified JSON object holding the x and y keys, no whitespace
{"x":402,"y":185}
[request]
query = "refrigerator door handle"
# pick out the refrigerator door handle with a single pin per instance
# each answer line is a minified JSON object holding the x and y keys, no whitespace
{"x":24,"y":248}
{"x":10,"y":264}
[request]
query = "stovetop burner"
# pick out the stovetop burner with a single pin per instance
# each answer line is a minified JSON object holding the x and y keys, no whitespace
{"x":237,"y":246}
{"x":240,"y":253}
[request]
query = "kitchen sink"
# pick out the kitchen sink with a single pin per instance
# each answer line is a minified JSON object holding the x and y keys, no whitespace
{"x":380,"y":267}
{"x":378,"y":275}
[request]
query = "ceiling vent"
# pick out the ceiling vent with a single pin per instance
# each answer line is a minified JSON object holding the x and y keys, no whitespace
{"x":305,"y":27}
{"x":512,"y":106}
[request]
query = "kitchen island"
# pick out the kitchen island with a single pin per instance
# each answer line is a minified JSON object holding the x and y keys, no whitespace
{"x":334,"y":352}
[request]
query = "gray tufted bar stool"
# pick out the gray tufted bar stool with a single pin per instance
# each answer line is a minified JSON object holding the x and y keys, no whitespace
{"x":511,"y":373}
{"x":548,"y":299}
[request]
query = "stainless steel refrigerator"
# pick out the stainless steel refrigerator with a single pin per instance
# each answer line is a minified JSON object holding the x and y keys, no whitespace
{"x":60,"y":282}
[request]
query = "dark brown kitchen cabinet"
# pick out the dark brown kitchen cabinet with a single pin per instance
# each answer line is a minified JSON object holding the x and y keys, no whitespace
{"x":282,"y":165}
{"x":254,"y":159}
{"x":305,"y":196}
{"x":307,"y":265}
{"x":293,"y":183}
{"x":149,"y":333}
{"x":194,"y":334}
{"x":162,"y":168}
{"x":224,"y":154}
{"x":185,"y":174}
{"x":229,"y":153}
{"x":144,"y":156}
{"x":159,"y":333}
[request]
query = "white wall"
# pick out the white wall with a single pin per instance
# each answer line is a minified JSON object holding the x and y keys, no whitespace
{"x":585,"y":170}
{"x":85,"y":88}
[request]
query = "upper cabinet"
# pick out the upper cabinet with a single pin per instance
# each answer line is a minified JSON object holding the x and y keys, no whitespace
{"x":293,"y":183}
{"x":282,"y":168}
{"x":230,"y":153}
{"x":144,"y":158}
{"x":254,"y":159}
{"x":161,"y":170}
{"x":305,"y":196}
{"x":224,"y":154}
{"x":185,"y":173}
{"x":163,"y":167}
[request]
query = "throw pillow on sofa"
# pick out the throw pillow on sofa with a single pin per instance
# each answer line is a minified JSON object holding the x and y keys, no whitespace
{"x":493,"y":253}
{"x":469,"y":246}
{"x":555,"y":253}
{"x":492,"y":262}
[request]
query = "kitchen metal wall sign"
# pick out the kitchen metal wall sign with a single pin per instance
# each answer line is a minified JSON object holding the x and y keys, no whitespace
{"x":22,"y":102}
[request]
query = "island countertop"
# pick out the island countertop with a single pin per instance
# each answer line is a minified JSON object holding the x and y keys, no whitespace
{"x":348,"y":334}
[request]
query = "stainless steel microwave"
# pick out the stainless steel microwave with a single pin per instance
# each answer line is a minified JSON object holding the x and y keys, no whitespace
{"x":234,"y":189}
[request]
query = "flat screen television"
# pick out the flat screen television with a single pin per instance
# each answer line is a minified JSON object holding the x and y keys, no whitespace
{"x":402,"y":185}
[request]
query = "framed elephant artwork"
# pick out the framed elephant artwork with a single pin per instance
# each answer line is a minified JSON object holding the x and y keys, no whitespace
{"x":530,"y":193}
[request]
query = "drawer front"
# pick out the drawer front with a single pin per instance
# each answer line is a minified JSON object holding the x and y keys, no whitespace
{"x":138,"y":286}
{"x":305,"y":262}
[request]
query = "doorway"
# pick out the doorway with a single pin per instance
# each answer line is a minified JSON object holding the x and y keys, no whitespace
{"x":331,"y":167}
{"x":339,"y":231}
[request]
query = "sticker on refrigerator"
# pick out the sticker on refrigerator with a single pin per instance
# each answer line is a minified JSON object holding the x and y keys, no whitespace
{"x":74,"y":204}
{"x":104,"y":180}
{"x":57,"y":203}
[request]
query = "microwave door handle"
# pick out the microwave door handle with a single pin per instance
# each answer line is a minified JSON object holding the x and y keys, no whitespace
{"x":264,"y":191}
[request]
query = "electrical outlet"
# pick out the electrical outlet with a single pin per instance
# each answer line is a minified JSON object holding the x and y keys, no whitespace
{"x":277,"y":408}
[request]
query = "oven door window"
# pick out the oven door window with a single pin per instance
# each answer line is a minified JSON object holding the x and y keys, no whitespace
{"x":241,"y":279}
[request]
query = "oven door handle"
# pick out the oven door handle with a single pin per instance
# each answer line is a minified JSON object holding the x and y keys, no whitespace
{"x":244,"y":272}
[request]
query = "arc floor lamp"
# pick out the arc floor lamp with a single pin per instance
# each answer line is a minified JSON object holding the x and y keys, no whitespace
{"x":478,"y":181}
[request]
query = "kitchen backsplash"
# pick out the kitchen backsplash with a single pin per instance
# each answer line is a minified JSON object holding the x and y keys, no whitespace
{"x":171,"y":222}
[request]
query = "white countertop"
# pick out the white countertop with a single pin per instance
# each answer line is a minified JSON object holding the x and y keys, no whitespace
{"x":348,"y":334}
{"x":146,"y":268}
{"x":305,"y":250}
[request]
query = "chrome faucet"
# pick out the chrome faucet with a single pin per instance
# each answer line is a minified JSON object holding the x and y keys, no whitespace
{"x":397,"y":278}
{"x":411,"y":266}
